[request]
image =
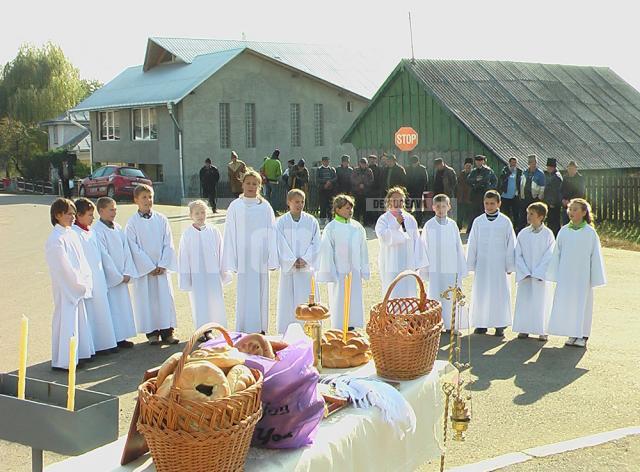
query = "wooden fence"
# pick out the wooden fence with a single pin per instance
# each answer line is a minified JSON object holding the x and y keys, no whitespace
{"x":614,"y":198}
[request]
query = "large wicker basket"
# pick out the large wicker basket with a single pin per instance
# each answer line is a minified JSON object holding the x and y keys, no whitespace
{"x":405,"y":333}
{"x":199,"y":436}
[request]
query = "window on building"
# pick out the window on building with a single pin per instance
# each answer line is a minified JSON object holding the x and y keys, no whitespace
{"x":144,"y":124}
{"x":152,"y":171}
{"x":295,"y":125}
{"x":54,"y":134}
{"x":349,"y":106}
{"x":225,"y":126}
{"x":109,"y":125}
{"x":318,"y":123}
{"x":250,"y":124}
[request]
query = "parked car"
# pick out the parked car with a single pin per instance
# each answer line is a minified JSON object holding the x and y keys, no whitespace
{"x":113,"y":181}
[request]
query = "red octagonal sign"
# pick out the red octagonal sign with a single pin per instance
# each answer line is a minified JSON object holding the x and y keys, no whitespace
{"x":406,"y":138}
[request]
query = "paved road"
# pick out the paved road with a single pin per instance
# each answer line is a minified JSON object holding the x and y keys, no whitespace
{"x":527,"y":393}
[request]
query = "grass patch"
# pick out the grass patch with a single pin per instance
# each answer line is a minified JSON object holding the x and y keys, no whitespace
{"x":619,"y":235}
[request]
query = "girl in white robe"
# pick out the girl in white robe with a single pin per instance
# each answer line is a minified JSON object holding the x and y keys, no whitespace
{"x":491,"y":256}
{"x":298,"y":236}
{"x":534,"y":247}
{"x":71,"y":285}
{"x":447,"y":263}
{"x":343,"y":250}
{"x":400,"y":245}
{"x":118,"y":269}
{"x":200,"y":262}
{"x":98,"y":310}
{"x":250,"y":250}
{"x":577,"y":268}
{"x":154,"y":257}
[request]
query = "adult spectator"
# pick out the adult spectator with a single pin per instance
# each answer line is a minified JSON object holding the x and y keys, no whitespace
{"x":299,"y":177}
{"x":464,"y":194}
{"x":553,"y":195}
{"x":531,"y":187}
{"x":361,"y":180}
{"x":445,"y":179}
{"x":327,"y":179}
{"x":209,"y":178}
{"x":236,"y":169}
{"x":287,"y":174}
{"x":375,"y":202}
{"x":480,"y":179}
{"x":272,"y":169}
{"x":509,"y":188}
{"x":344,"y":175}
{"x":573,"y":186}
{"x":394,"y":173}
{"x":67,"y":174}
{"x":417,"y":180}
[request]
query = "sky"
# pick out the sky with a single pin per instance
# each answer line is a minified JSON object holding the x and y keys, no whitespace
{"x":103,"y":38}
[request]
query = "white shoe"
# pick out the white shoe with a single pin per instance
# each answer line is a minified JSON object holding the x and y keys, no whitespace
{"x":543,"y":337}
{"x":580,"y":342}
{"x":570,"y":342}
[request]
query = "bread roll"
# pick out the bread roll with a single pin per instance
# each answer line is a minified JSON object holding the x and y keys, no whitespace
{"x":168,"y":367}
{"x":239,"y":378}
{"x":223,"y":356}
{"x":339,"y":355}
{"x":202,"y":381}
{"x":255,"y":344}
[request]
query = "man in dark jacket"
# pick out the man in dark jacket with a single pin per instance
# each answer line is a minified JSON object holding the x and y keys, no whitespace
{"x":344,"y":175}
{"x":480,"y":179}
{"x":394,"y":175}
{"x":374,"y":202}
{"x":326,"y":179}
{"x":417,"y":180}
{"x":573,"y":186}
{"x":464,"y":194}
{"x":552,"y":195}
{"x":209,"y":177}
{"x":445,"y":180}
{"x":67,"y":174}
{"x":509,"y":188}
{"x":361,"y":180}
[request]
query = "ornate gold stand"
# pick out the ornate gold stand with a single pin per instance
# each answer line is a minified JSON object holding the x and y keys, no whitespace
{"x":313,"y":328}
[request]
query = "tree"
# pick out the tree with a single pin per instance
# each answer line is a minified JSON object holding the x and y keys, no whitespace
{"x":19,"y":143}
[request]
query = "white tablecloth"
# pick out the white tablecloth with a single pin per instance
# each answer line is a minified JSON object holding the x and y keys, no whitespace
{"x":350,"y":440}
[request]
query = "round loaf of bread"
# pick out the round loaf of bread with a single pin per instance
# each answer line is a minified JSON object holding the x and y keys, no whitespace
{"x":255,"y":344}
{"x":202,"y":381}
{"x":223,"y":356}
{"x":167,"y":368}
{"x":336,"y":354}
{"x":239,"y":378}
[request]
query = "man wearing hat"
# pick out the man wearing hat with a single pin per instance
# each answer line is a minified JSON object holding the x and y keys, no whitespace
{"x":464,"y":194}
{"x":553,"y":195}
{"x":417,"y":179}
{"x":326,"y":178}
{"x":361,"y":181}
{"x":531,"y":187}
{"x":209,"y":177}
{"x":480,"y":179}
{"x":344,"y":175}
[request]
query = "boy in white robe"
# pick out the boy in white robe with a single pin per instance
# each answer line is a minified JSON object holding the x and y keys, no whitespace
{"x":250,"y":250}
{"x":577,"y":268}
{"x":343,"y":250}
{"x":534,"y":247}
{"x":151,"y":244}
{"x":298,"y":236}
{"x":119,"y":270}
{"x":491,"y":256}
{"x":400,"y":245}
{"x":98,"y":311}
{"x":71,"y":284}
{"x":200,"y":274}
{"x":447,"y":263}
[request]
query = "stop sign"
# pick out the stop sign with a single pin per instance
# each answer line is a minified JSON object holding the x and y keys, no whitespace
{"x":406,"y":138}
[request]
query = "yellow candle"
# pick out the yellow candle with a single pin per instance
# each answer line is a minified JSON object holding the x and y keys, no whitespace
{"x":71,"y":392}
{"x":347,"y":305}
{"x":313,"y":285}
{"x":22,"y":366}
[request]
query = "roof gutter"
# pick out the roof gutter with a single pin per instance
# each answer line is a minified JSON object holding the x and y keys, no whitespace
{"x":75,"y":123}
{"x":170,"y":106}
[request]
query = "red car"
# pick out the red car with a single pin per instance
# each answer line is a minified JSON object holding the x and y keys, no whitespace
{"x":113,"y":181}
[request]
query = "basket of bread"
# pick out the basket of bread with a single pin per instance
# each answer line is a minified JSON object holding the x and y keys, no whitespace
{"x":405,"y":333}
{"x":200,"y":412}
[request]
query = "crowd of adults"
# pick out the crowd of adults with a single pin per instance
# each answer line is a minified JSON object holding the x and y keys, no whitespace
{"x":371,"y":177}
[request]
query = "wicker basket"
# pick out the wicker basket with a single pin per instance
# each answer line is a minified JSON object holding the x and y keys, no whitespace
{"x":405,"y":333}
{"x":199,"y":436}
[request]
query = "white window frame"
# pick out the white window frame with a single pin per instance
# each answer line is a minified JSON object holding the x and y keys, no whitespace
{"x":296,"y":138}
{"x":318,"y":123}
{"x":250,"y":124}
{"x":109,"y":124}
{"x":146,"y":119}
{"x":225,"y":125}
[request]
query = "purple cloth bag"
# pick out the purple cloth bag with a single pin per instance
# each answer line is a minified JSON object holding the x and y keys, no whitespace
{"x":292,"y":406}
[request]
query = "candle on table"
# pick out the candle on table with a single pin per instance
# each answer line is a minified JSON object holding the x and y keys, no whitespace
{"x":347,"y":306}
{"x":22,"y":366}
{"x":71,"y":392}
{"x":313,"y":285}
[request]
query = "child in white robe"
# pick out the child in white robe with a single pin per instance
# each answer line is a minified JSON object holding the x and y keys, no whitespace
{"x":400,"y":245}
{"x":118,"y":269}
{"x":534,"y":247}
{"x":447,"y":263}
{"x":298,"y":236}
{"x":71,"y":285}
{"x":151,"y":244}
{"x":200,"y":274}
{"x":250,"y":250}
{"x":98,"y":310}
{"x":343,"y":250}
{"x":491,"y":256}
{"x":577,"y":268}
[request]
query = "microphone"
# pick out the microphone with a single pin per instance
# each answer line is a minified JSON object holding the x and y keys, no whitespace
{"x":399,"y":213}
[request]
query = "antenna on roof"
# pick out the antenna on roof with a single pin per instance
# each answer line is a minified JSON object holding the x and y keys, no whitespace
{"x":413,"y":58}
{"x":244,"y":36}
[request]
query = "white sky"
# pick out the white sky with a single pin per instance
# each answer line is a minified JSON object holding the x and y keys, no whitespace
{"x":102,"y":38}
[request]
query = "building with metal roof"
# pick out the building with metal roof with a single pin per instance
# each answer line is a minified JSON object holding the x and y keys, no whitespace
{"x":70,"y":131}
{"x":506,"y":109}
